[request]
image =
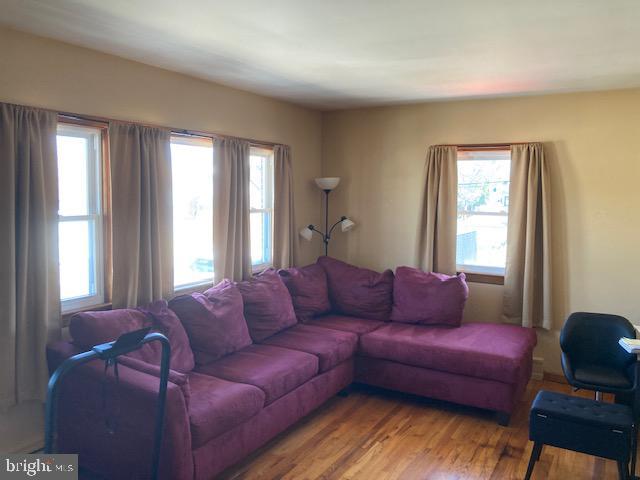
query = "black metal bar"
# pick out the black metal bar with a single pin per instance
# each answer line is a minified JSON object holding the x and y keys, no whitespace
{"x":326,"y":221}
{"x":342,"y":219}
{"x":105,"y":353}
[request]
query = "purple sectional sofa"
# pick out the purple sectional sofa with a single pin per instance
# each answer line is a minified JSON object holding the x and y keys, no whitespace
{"x":249,"y":359}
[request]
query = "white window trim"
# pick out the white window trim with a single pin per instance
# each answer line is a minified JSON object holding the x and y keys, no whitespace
{"x":95,"y":217}
{"x":269,"y":181}
{"x":481,"y":269}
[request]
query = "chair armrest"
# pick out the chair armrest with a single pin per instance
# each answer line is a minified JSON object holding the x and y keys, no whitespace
{"x":567,"y":368}
{"x":88,"y":398}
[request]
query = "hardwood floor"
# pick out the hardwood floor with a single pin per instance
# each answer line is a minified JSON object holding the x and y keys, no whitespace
{"x":379,"y":435}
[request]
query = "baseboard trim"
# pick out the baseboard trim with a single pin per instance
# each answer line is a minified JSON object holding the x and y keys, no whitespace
{"x":33,"y":445}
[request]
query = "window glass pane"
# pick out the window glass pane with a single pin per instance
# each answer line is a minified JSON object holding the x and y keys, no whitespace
{"x":76,"y":259}
{"x":258,"y":238}
{"x":257,"y":186}
{"x":73,"y":179}
{"x":483,"y":204}
{"x":481,"y":240}
{"x":261,"y":202}
{"x":483,"y":185}
{"x":192,"y":171}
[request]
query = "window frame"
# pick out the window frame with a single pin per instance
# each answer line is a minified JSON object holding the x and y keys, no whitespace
{"x":201,"y":140}
{"x":268,"y":194}
{"x":479,"y":273}
{"x":99,"y":212}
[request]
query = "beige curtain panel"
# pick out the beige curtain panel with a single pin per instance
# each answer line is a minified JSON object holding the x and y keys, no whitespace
{"x":437,"y":235}
{"x":231,"y":238}
{"x":527,"y":281}
{"x":142,"y":214}
{"x":284,"y":232}
{"x":30,"y":293}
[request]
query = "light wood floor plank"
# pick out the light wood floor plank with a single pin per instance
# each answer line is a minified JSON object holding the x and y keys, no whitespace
{"x":378,"y":435}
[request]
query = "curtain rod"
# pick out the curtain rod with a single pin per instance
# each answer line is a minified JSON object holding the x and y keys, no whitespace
{"x":483,"y":145}
{"x":181,"y":131}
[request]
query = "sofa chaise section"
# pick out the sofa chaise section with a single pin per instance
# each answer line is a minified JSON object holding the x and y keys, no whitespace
{"x":486,"y":365}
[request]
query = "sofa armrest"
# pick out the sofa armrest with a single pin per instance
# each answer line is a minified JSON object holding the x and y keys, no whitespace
{"x":89,"y":400}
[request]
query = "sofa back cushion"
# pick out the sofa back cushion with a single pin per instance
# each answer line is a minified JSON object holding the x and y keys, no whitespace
{"x":213,"y":321}
{"x":267,"y":305}
{"x":167,"y":322}
{"x":91,"y":328}
{"x":428,"y":297}
{"x":358,"y":291}
{"x":309,"y":290}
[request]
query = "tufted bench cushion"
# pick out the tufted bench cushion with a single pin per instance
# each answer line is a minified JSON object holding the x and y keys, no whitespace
{"x":582,"y":425}
{"x":582,"y":410}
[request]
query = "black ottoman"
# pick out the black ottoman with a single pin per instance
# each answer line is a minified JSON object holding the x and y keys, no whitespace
{"x":582,"y":425}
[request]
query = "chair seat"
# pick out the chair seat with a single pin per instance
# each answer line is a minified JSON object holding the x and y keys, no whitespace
{"x":601,"y":376}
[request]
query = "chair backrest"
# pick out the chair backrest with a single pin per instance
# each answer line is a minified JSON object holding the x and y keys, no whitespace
{"x":592,"y":338}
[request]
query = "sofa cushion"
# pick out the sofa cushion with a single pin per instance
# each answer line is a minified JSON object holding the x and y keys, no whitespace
{"x":483,"y":350}
{"x":218,"y":405}
{"x":358,"y":291}
{"x":309,"y":290}
{"x":214,"y":321}
{"x":330,"y":346}
{"x":275,"y":370}
{"x":267,"y":305}
{"x":92,"y":328}
{"x":346,"y":323}
{"x":167,"y":322}
{"x":428,"y":297}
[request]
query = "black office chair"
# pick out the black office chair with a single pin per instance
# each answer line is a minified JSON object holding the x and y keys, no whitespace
{"x":592,"y":359}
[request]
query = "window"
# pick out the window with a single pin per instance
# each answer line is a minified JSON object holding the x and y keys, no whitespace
{"x":80,"y":216}
{"x":192,"y":183}
{"x":261,"y":201}
{"x":483,"y":205}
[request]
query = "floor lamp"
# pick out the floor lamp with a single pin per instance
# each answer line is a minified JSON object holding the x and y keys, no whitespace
{"x":327,"y":184}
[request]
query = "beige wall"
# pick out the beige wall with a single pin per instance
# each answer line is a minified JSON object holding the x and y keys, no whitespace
{"x":40,"y":72}
{"x":591,"y":140}
{"x":46,"y":73}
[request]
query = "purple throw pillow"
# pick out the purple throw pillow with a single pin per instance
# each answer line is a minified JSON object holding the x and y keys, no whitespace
{"x":166,"y":322}
{"x":267,"y":305}
{"x":428,"y":298}
{"x":309,"y":290}
{"x":358,"y":291}
{"x":213,"y":321}
{"x":92,"y":328}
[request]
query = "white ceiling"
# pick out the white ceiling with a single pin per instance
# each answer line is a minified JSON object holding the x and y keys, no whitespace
{"x":345,"y":53}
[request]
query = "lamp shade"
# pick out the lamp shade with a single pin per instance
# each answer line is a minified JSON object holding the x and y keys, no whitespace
{"x":347,"y":225}
{"x":306,"y":233}
{"x":327,"y":183}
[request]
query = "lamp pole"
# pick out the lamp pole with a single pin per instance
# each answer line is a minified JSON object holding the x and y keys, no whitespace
{"x":326,"y":184}
{"x":326,"y":222}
